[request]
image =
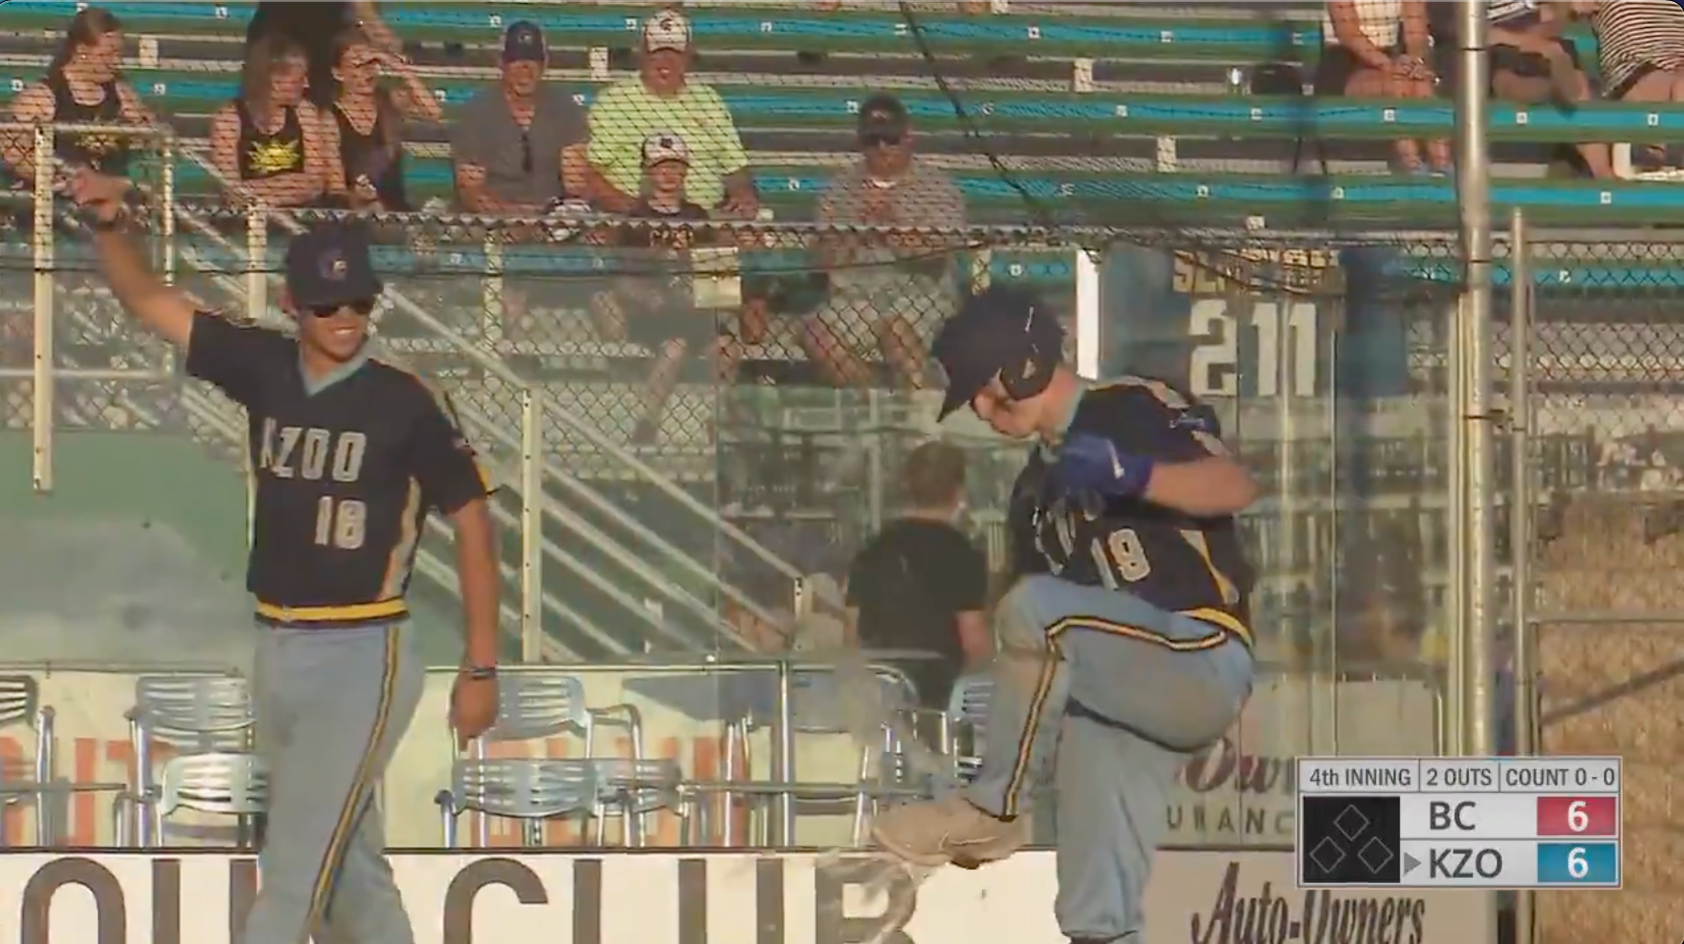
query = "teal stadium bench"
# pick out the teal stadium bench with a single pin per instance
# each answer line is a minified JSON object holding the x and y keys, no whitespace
{"x":1057,"y":35}
{"x":1140,"y":198}
{"x":1102,"y":196}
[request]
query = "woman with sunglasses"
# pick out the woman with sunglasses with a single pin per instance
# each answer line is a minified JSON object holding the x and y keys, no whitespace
{"x":365,"y":137}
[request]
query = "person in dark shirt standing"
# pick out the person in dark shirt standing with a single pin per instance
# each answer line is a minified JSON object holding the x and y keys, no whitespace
{"x":920,"y":583}
{"x":348,"y":455}
{"x":652,"y":303}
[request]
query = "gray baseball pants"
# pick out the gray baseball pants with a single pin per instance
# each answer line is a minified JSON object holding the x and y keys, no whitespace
{"x":331,"y":706}
{"x":1117,"y":692}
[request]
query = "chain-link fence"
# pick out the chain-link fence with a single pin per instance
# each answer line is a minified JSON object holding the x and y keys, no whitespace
{"x":699,"y":402}
{"x":1590,"y":340}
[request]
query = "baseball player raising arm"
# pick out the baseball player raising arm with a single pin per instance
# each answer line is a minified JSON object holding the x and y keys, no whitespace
{"x":1124,"y":644}
{"x":349,"y":455}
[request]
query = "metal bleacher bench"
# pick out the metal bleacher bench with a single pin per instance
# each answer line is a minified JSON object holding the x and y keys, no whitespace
{"x":1290,"y":35}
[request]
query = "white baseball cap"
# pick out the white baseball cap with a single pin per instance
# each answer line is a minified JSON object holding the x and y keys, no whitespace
{"x":667,"y":29}
{"x":664,"y":146}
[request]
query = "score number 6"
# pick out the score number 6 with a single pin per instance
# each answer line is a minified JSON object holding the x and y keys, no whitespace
{"x":1577,"y":821}
{"x":1577,"y":867}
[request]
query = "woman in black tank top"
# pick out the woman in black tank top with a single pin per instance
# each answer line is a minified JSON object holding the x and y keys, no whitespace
{"x":366,"y":134}
{"x":268,"y":142}
{"x":82,"y":86}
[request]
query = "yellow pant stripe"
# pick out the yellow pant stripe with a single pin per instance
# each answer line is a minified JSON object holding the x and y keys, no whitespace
{"x":1224,"y":626}
{"x":361,"y":788}
{"x":1026,"y":740}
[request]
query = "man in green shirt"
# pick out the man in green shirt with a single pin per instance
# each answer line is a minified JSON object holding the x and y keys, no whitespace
{"x":661,"y":100}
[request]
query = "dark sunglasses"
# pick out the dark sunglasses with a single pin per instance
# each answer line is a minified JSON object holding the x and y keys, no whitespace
{"x":362,"y":306}
{"x":879,"y":139}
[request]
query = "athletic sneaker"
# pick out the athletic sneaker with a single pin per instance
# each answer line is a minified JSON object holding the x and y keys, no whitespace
{"x":933,"y":833}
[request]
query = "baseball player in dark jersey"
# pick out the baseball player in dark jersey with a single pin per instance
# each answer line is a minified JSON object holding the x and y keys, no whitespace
{"x":1124,"y":641}
{"x":349,"y":456}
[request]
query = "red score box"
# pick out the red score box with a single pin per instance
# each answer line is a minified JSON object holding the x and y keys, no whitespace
{"x":1578,"y":816}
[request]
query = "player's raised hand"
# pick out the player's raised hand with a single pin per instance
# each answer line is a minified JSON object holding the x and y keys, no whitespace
{"x":1089,"y":462}
{"x":473,"y":706}
{"x":100,"y":195}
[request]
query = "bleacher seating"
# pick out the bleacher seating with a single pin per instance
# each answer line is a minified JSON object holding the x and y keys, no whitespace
{"x":1093,"y":155}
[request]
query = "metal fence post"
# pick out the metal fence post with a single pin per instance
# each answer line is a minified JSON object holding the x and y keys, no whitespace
{"x":1521,"y":503}
{"x":257,"y":262}
{"x":1473,"y":407}
{"x":42,"y":417}
{"x":531,"y":527}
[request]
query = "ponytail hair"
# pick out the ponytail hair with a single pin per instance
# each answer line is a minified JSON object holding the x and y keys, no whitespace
{"x":262,"y":59}
{"x":85,"y":29}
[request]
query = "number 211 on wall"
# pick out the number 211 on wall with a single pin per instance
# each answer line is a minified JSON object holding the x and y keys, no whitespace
{"x":1283,"y":359}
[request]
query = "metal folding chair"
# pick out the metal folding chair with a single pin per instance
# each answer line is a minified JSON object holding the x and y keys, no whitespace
{"x":189,"y":714}
{"x":817,"y":710}
{"x":533,"y":705}
{"x":634,"y":788}
{"x":531,"y":791}
{"x":538,"y":704}
{"x":218,"y":783}
{"x":967,"y":712}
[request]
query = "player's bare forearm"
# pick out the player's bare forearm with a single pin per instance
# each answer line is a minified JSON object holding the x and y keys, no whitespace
{"x":1205,"y":488}
{"x":142,"y":294}
{"x":476,"y":570}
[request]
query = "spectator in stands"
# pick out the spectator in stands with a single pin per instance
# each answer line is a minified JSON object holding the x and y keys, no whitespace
{"x":1379,"y":49}
{"x":269,"y":141}
{"x":1532,"y":63}
{"x":654,"y":306}
{"x":663,"y":99}
{"x":887,"y":291}
{"x":83,"y":84}
{"x":365,"y":135}
{"x":1640,"y":44}
{"x":520,"y":147}
{"x":920,"y":583}
{"x":312,"y":27}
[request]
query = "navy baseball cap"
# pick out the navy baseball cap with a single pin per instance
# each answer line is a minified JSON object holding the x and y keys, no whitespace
{"x":524,"y":42}
{"x":997,"y":328}
{"x":329,"y":265}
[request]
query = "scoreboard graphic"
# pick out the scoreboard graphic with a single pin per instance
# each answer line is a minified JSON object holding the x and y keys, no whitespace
{"x":1443,"y":822}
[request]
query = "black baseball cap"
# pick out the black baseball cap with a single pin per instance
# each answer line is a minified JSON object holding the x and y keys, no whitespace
{"x":330,"y":265}
{"x":883,"y":118}
{"x":524,"y":42}
{"x":996,"y":329}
